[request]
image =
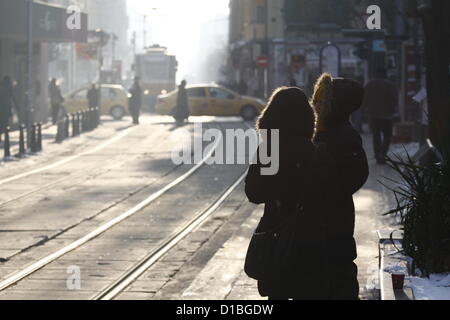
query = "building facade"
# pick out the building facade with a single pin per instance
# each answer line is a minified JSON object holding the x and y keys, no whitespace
{"x":49,"y":26}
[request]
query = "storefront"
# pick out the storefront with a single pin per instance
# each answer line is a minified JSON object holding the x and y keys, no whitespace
{"x":50,"y":25}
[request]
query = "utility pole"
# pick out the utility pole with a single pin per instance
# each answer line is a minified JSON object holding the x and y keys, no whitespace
{"x":145,"y":31}
{"x":101,"y":35}
{"x":29,"y":109}
{"x":134,"y":43}
{"x":113,"y":44}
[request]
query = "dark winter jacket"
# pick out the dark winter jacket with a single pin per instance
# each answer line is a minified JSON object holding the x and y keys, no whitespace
{"x":380,"y":99}
{"x":297,"y":182}
{"x":136,"y":97}
{"x":93,"y":97}
{"x":6,"y":102}
{"x":182,"y":109}
{"x":349,"y":173}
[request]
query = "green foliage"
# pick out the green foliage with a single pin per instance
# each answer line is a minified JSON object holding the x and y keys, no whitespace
{"x":423,"y":203}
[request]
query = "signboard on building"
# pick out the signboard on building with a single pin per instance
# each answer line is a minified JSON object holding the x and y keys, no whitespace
{"x":87,"y":51}
{"x":49,"y":22}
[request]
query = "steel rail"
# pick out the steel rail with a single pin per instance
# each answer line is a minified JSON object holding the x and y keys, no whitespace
{"x":35,"y":266}
{"x":139,"y":268}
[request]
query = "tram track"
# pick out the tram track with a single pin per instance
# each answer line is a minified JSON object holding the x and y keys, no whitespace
{"x":138,"y":268}
{"x":39,"y":264}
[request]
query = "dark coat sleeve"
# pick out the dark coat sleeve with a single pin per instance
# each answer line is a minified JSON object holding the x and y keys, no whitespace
{"x":352,"y":169}
{"x":259,"y":188}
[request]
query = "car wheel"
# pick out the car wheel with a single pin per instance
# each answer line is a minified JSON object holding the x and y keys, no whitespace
{"x":249,"y":113}
{"x":117,"y":112}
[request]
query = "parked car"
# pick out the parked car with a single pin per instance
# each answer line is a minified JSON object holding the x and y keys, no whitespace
{"x":212,"y":100}
{"x":114,"y":101}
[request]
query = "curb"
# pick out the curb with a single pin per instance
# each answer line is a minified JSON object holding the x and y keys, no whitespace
{"x":386,"y":246}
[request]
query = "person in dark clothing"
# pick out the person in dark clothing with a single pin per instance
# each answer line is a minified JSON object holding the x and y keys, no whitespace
{"x":182,"y":108}
{"x":56,"y":99}
{"x":334,"y":100}
{"x":301,"y":176}
{"x":93,"y":96}
{"x":381,"y":100}
{"x":7,"y":100}
{"x":243,"y":87}
{"x":135,"y":100}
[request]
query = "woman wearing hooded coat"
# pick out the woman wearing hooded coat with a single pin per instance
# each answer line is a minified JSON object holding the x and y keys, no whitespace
{"x":334,"y":100}
{"x":296,"y":185}
{"x":182,"y":109}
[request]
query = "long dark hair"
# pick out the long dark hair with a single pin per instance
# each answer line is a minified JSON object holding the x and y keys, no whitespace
{"x":289,"y":111}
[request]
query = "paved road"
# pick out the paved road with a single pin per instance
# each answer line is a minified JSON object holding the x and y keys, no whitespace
{"x":90,"y":180}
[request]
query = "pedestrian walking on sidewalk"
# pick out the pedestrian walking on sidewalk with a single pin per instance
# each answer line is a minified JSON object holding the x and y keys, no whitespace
{"x":56,"y":100}
{"x":182,"y":109}
{"x":334,"y":101}
{"x":7,"y":100}
{"x":298,"y":269}
{"x":135,"y":100}
{"x":93,"y":96}
{"x":381,"y":101}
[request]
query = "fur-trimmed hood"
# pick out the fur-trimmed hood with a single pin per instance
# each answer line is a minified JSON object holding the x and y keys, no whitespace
{"x":335,"y":99}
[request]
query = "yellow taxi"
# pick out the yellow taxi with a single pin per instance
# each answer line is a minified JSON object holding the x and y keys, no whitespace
{"x":212,"y":100}
{"x":114,"y":101}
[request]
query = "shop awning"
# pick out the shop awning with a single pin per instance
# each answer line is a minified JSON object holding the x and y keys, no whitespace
{"x":49,"y":22}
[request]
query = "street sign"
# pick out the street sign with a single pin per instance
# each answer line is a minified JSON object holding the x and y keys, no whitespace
{"x":262,"y":62}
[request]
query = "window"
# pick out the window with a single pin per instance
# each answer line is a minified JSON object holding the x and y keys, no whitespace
{"x":219,"y":93}
{"x":109,"y":93}
{"x":196,"y":92}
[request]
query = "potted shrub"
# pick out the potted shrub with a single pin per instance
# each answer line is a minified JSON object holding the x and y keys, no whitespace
{"x":423,"y":204}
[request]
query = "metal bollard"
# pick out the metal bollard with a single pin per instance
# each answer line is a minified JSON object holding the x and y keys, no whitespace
{"x":22,"y":150}
{"x":59,"y":132}
{"x":79,"y":120}
{"x":66,"y":126}
{"x":7,"y":146}
{"x":39,"y":136}
{"x":83,"y":121}
{"x":74,"y":125}
{"x":91,"y":119}
{"x":96,"y":117}
{"x":33,"y":144}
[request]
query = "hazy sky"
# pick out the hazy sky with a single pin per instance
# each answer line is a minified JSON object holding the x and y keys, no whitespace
{"x":175,"y":24}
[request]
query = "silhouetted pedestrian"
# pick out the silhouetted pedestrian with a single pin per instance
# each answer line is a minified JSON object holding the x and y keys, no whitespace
{"x":93,"y":96}
{"x":182,"y":109}
{"x":7,"y":100}
{"x":135,"y":100}
{"x":243,"y":88}
{"x":381,"y":100}
{"x":56,"y":100}
{"x":289,"y":195}
{"x":334,"y":100}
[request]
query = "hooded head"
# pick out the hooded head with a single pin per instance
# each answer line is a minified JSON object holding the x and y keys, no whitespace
{"x":334,"y":100}
{"x":289,"y":111}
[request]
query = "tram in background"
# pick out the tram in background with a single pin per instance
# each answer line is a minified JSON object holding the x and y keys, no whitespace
{"x":157,"y":70}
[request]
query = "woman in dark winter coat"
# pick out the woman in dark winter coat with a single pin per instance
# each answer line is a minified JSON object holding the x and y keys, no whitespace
{"x":7,"y":100}
{"x":182,"y":109}
{"x":295,"y":185}
{"x":334,"y":100}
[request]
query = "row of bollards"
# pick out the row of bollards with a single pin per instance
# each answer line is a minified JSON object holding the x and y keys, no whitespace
{"x":35,"y":142}
{"x":83,"y":121}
